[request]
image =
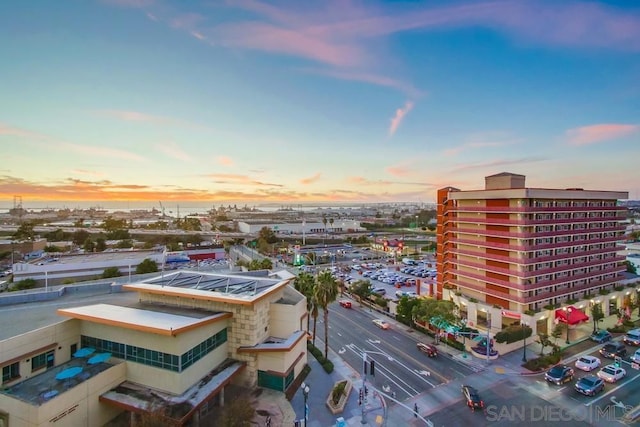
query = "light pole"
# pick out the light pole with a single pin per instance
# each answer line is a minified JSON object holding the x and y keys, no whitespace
{"x":363,"y":418}
{"x":524,"y":341}
{"x":593,"y":303}
{"x":568,"y":315}
{"x":305,"y":393}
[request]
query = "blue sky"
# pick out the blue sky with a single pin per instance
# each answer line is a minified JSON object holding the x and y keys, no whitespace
{"x":327,"y":101}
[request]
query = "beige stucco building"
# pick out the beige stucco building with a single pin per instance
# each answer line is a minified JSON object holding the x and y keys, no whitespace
{"x":190,"y":334}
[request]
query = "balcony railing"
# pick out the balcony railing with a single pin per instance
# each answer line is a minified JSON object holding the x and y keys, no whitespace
{"x":533,"y":286}
{"x":518,"y":209}
{"x":528,"y":247}
{"x":534,"y":298}
{"x":530,"y":235}
{"x":527,"y":260}
{"x":530,"y":274}
{"x":528,"y":221}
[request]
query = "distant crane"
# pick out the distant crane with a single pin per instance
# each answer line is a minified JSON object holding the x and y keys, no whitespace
{"x":161,"y":209}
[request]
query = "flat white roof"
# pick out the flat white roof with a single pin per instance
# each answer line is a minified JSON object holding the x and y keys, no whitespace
{"x":135,"y":318}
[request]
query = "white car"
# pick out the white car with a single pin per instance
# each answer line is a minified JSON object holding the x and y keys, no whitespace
{"x":636,"y":357}
{"x":611,"y":373}
{"x":587,"y":363}
{"x":382,"y":324}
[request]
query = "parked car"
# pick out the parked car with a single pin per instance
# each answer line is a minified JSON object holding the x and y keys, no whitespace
{"x":428,"y":349}
{"x":601,"y":336}
{"x":345,"y":303}
{"x":559,"y":374}
{"x":611,"y":373}
{"x":636,"y":357}
{"x":589,"y":385}
{"x":613,"y":349}
{"x":379,"y":291}
{"x":382,"y":324}
{"x":632,"y":337}
{"x":587,"y":363}
{"x":408,"y":294}
{"x":472,"y":397}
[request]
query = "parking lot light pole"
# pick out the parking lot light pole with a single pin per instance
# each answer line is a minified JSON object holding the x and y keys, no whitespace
{"x":305,"y":393}
{"x":524,"y":341}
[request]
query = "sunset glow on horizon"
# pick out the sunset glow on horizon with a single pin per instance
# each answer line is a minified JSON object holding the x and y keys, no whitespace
{"x":342,"y":101}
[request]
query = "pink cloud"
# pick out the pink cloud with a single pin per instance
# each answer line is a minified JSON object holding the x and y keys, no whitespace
{"x":597,"y":133}
{"x":13,"y":131}
{"x":371,"y":78}
{"x":225,"y":161}
{"x":399,"y":116}
{"x":311,"y":179}
{"x":135,"y":116}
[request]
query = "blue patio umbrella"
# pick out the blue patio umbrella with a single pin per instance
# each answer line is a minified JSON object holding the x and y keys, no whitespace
{"x":99,"y":358}
{"x":84,"y":352}
{"x":69,"y":373}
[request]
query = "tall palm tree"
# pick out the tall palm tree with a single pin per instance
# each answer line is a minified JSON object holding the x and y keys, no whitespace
{"x":331,"y":223}
{"x":305,"y":284}
{"x":326,"y":292}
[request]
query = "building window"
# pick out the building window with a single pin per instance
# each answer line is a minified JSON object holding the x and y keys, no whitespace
{"x":42,"y":360}
{"x":10,"y":372}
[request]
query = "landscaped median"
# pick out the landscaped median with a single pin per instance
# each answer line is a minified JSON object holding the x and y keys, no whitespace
{"x":339,"y":396}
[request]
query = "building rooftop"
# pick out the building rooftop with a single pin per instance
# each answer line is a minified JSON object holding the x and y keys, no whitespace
{"x":158,"y":321}
{"x":44,"y":387}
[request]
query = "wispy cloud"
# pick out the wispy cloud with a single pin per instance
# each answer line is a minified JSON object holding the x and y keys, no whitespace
{"x":14,"y":131}
{"x":399,"y":117}
{"x":86,"y":172}
{"x":237,"y":179}
{"x":599,"y":133}
{"x":492,"y":165}
{"x":102,"y":152}
{"x":370,"y":78}
{"x":173,"y":151}
{"x":399,"y":170}
{"x":489,"y":139}
{"x":311,"y":179}
{"x":136,"y":116}
{"x":225,"y":161}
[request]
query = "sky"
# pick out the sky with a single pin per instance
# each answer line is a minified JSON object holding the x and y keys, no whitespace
{"x":333,"y":101}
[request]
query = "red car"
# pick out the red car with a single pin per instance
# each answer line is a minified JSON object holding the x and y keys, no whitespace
{"x":344,"y":303}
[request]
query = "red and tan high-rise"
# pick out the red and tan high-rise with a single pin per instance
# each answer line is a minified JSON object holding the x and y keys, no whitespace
{"x":523,"y":248}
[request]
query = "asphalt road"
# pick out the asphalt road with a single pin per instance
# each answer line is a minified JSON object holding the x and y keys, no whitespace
{"x":400,"y":367}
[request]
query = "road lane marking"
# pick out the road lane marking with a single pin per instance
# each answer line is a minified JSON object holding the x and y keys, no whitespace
{"x":622,"y":384}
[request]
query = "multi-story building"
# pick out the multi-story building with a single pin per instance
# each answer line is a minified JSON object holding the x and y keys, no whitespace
{"x":189,"y":335}
{"x":520,"y":249}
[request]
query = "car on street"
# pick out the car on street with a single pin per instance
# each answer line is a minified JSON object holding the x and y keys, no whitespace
{"x":382,"y":324}
{"x":472,"y":397}
{"x":587,"y":363}
{"x":611,"y":373}
{"x":345,"y":303}
{"x":636,"y":357}
{"x":601,"y":336}
{"x":613,"y":349}
{"x":559,"y":374}
{"x":428,"y":349}
{"x":589,"y":385}
{"x":632,"y":337}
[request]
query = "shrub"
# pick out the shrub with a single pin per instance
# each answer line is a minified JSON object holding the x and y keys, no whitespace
{"x":620,"y":329}
{"x":619,"y":288}
{"x":629,"y":324}
{"x":549,"y":307}
{"x":529,"y":312}
{"x":327,"y":365}
{"x":24,"y":284}
{"x":603,"y":291}
{"x":572,"y":301}
{"x":338,"y":391}
{"x":513,"y":333}
{"x":455,"y":344}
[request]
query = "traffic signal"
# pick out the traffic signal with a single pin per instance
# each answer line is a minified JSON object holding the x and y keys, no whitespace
{"x":617,"y":362}
{"x":373,"y":367}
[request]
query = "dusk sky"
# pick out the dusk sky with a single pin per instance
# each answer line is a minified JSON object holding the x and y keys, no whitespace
{"x":335,"y":101}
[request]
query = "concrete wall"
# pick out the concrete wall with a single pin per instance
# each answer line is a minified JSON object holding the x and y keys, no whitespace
{"x":285,"y":319}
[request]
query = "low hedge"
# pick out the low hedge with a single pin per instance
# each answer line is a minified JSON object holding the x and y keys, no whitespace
{"x":543,"y":362}
{"x":338,"y":391}
{"x":513,"y":333}
{"x":327,"y":365}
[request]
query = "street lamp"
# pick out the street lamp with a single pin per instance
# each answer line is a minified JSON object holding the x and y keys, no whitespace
{"x":524,"y":341}
{"x":363,"y":418}
{"x":595,"y":329}
{"x":305,"y":393}
{"x":569,"y":310}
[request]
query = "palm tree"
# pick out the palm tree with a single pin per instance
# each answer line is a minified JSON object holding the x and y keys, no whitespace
{"x":305,"y":284}
{"x":326,"y":292}
{"x":331,"y":223}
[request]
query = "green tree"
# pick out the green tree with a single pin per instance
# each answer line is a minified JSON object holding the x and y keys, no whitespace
{"x":326,"y":292}
{"x":237,"y":412}
{"x":111,"y":272}
{"x":361,"y":288}
{"x":305,"y":284}
{"x":24,"y":232}
{"x":405,"y":309}
{"x":596,"y":315}
{"x":557,"y":332}
{"x":52,"y":249}
{"x":266,"y":264}
{"x":544,"y":341}
{"x":631,"y":267}
{"x":24,"y":284}
{"x":430,"y":308}
{"x":79,"y":237}
{"x":147,"y":266}
{"x":124,"y":244}
{"x":88,"y":245}
{"x":55,"y":236}
{"x":110,"y":224}
{"x":268,"y":235}
{"x":101,"y":244}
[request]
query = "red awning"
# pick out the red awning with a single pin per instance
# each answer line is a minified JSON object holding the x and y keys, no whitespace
{"x":571,"y":315}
